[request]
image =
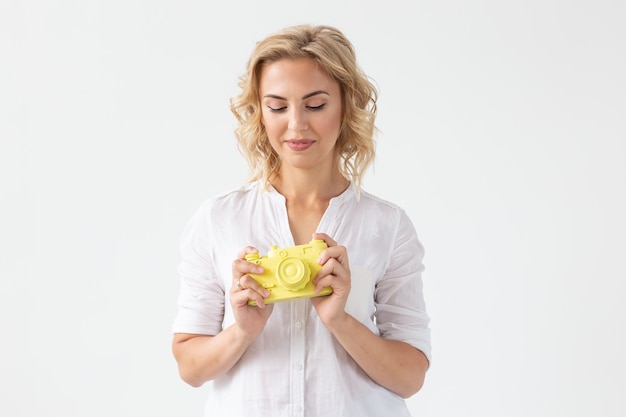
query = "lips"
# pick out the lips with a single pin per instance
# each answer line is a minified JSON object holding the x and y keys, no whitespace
{"x":299,"y":144}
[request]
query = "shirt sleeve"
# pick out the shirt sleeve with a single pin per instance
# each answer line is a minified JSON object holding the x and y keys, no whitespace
{"x":400,"y":306}
{"x":201,"y":295}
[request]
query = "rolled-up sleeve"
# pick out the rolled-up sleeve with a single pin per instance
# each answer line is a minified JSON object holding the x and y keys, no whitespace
{"x":400,"y":307}
{"x":201,"y":296}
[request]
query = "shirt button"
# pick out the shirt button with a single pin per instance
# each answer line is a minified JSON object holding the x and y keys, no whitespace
{"x":299,"y":367}
{"x":298,"y":324}
{"x":298,"y":408}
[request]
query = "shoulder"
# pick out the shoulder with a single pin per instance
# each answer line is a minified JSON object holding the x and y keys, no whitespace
{"x":230,"y":200}
{"x":386,"y":214}
{"x":379,"y":205}
{"x":223,"y":212}
{"x":222,"y":206}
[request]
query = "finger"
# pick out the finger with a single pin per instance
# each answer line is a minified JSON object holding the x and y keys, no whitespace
{"x":242,"y":297}
{"x":338,"y":284}
{"x":340,"y":253}
{"x":241,"y":267}
{"x":333,"y":268}
{"x":248,"y":283}
{"x":323,"y":236}
{"x":246,"y":251}
{"x":320,"y":283}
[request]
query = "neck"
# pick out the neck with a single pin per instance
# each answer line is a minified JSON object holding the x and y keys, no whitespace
{"x":310,"y":185}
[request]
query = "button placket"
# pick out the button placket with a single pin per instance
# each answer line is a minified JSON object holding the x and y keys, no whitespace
{"x":298,"y":346}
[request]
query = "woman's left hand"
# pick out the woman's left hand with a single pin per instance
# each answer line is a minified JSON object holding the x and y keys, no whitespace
{"x":335,"y":273}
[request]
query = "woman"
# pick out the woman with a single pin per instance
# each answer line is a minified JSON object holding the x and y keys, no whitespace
{"x":306,"y":123}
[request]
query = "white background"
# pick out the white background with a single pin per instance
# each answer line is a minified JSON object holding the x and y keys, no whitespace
{"x":502,"y":134}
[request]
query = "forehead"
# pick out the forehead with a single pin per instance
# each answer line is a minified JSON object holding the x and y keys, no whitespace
{"x":294,"y":76}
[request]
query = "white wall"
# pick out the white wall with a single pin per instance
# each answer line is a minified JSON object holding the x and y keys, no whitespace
{"x":503,"y":135}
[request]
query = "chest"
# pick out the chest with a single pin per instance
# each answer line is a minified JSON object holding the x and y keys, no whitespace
{"x":304,"y":221}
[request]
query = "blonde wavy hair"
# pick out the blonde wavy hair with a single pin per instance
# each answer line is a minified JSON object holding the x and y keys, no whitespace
{"x":335,"y":54}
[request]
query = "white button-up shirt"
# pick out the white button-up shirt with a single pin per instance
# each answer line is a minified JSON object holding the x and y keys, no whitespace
{"x":296,"y":367}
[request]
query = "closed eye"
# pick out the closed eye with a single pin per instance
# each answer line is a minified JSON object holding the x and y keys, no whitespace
{"x":320,"y":107}
{"x":276,"y":110}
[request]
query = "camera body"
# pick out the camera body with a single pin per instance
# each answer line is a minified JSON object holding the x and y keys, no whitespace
{"x":289,"y":271}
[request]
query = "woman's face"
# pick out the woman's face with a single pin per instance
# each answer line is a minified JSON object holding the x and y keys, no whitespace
{"x":301,"y":112}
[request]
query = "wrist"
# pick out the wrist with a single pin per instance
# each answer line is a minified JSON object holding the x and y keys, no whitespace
{"x":339,"y":323}
{"x":244,"y":336}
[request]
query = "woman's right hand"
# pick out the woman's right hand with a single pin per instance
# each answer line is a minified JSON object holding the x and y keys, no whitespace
{"x":250,"y":319}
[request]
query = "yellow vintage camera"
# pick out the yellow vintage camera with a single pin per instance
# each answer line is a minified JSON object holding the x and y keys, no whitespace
{"x":289,"y":271}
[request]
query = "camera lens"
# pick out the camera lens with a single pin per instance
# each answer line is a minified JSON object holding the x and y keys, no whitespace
{"x":293,"y":274}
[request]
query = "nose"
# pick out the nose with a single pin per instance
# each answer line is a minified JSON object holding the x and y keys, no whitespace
{"x":298,"y":120}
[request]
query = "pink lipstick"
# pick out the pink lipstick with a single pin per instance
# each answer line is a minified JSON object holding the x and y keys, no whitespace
{"x":299,"y":144}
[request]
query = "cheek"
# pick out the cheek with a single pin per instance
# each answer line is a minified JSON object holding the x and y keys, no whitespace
{"x":272,"y":130}
{"x":274,"y":133}
{"x":268,"y":125}
{"x":331,"y":125}
{"x":271,"y":120}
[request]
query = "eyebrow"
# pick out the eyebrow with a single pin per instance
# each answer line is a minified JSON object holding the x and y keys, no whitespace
{"x":314,"y":93}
